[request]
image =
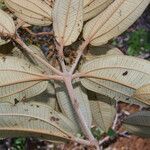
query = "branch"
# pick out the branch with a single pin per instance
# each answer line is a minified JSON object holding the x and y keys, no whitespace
{"x":61,"y":57}
{"x":20,"y":42}
{"x":83,"y":142}
{"x":118,"y":114}
{"x":80,"y":53}
{"x":40,"y":33}
{"x":75,"y":105}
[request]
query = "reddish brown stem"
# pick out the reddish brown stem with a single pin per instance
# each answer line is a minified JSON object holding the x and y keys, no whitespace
{"x":80,"y":53}
{"x":20,"y":42}
{"x":40,"y":33}
{"x":75,"y":104}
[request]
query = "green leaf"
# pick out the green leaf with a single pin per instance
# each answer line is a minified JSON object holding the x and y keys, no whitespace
{"x":34,"y":120}
{"x":111,"y":133}
{"x":116,"y":76}
{"x":138,"y":123}
{"x":19,"y":79}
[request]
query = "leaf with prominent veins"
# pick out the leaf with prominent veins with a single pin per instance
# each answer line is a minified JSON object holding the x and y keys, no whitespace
{"x":7,"y":26}
{"x":67,"y":20}
{"x":116,"y":76}
{"x":23,"y":55}
{"x":138,"y":123}
{"x":143,"y":93}
{"x":34,"y":120}
{"x":103,"y":114}
{"x":19,"y":79}
{"x":36,"y":12}
{"x":48,"y":97}
{"x":113,"y":21}
{"x":65,"y":102}
{"x":87,"y":2}
{"x":94,"y":8}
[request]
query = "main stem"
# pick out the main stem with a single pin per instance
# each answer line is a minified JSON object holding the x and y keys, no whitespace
{"x":75,"y":104}
{"x":68,"y":82}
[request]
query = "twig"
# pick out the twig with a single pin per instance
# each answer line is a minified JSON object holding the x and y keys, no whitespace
{"x":61,"y":57}
{"x":118,"y":114}
{"x":107,"y":138}
{"x":19,"y":41}
{"x":115,"y":121}
{"x":80,"y":53}
{"x":40,"y":33}
{"x":83,"y":142}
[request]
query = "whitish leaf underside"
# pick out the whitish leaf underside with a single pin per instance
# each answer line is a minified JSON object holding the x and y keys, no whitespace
{"x":33,"y":120}
{"x":19,"y":79}
{"x":103,"y":114}
{"x":113,"y":21}
{"x":7,"y":26}
{"x":65,"y":102}
{"x":116,"y":76}
{"x":143,"y":93}
{"x":94,"y":8}
{"x":36,"y":12}
{"x":67,"y":20}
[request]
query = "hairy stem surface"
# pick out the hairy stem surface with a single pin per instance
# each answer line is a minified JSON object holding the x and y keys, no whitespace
{"x":75,"y":105}
{"x":20,"y":42}
{"x":80,"y":53}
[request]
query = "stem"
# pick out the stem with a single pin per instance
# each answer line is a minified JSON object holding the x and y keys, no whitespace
{"x":107,"y":138}
{"x":80,"y":53}
{"x":40,"y":33}
{"x":115,"y":121}
{"x":68,"y":82}
{"x":75,"y":104}
{"x":61,"y":58}
{"x":20,"y":42}
{"x":83,"y":142}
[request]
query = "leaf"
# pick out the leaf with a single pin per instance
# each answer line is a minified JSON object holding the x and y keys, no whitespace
{"x":113,"y":21}
{"x":3,"y":42}
{"x":116,"y":76}
{"x":67,"y":20}
{"x":35,"y":12}
{"x":87,"y":2}
{"x":66,"y":105}
{"x":103,"y":114}
{"x":95,"y":7}
{"x":143,"y":94}
{"x":100,"y":51}
{"x":19,"y":79}
{"x":34,"y":120}
{"x":21,"y":54}
{"x":138,"y":123}
{"x":7,"y":26}
{"x":115,"y":51}
{"x":48,"y":97}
